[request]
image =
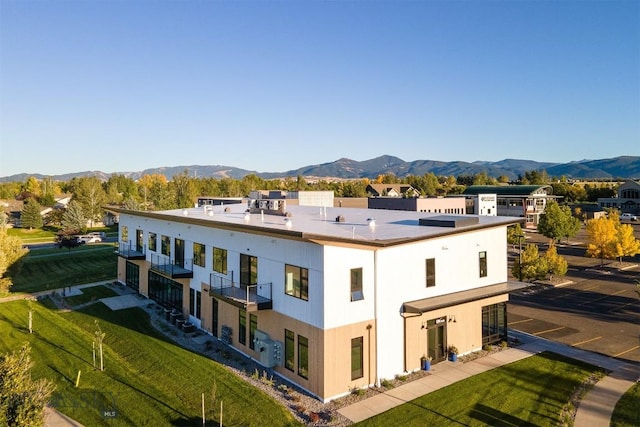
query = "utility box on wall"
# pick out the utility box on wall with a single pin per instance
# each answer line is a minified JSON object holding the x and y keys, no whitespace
{"x":270,"y":351}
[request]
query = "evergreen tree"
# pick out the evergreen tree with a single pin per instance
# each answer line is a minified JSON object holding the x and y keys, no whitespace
{"x":30,"y":216}
{"x":74,"y":219}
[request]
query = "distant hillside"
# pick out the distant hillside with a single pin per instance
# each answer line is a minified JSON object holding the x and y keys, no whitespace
{"x":624,"y":167}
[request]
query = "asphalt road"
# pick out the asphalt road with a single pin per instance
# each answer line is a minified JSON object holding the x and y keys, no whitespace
{"x":599,"y":310}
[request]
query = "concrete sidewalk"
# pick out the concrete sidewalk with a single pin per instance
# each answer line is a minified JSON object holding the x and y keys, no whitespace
{"x":594,"y":410}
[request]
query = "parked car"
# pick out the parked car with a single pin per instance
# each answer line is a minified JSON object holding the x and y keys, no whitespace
{"x":89,"y":238}
{"x":628,"y":217}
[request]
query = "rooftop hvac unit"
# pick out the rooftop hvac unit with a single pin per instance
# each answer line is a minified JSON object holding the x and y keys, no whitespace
{"x":274,"y":205}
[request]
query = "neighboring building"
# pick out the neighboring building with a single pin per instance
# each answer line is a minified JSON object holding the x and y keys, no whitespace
{"x":301,"y":198}
{"x":330,"y":298}
{"x":446,"y":205}
{"x":392,"y":190}
{"x":525,"y":201}
{"x":627,"y":200}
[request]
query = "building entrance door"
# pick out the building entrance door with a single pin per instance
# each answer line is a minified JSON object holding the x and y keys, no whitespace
{"x":436,"y":333}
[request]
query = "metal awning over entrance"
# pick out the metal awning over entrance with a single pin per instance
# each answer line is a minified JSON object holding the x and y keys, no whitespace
{"x":456,"y":298}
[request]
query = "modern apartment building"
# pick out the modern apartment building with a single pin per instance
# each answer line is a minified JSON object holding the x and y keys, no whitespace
{"x":331,"y":298}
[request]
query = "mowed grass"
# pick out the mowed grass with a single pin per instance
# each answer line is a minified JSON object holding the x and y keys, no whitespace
{"x":89,"y":294}
{"x":627,"y":410}
{"x":147,"y":381}
{"x":44,"y":269}
{"x":530,"y":392}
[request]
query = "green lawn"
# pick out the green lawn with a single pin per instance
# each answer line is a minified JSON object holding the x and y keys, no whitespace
{"x":627,"y":411}
{"x":91,"y":294}
{"x":148,"y":381}
{"x":530,"y":392}
{"x":44,"y":269}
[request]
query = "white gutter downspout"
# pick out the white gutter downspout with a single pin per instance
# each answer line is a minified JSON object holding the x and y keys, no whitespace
{"x":375,"y":314}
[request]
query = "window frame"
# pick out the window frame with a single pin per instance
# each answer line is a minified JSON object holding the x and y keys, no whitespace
{"x":303,"y":357}
{"x":482,"y":263}
{"x":358,"y":362}
{"x":242,"y":327}
{"x":302,"y":291}
{"x":165,"y":245}
{"x":152,"y":241}
{"x":430,"y":272}
{"x":248,"y":269}
{"x":356,"y":280}
{"x":199,"y":254}
{"x":219,"y":260}
{"x":253,"y":326}
{"x":289,"y":350}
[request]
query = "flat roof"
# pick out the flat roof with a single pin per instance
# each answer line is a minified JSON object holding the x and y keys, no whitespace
{"x":360,"y":226}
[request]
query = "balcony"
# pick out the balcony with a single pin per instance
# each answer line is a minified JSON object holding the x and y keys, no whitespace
{"x":128,"y":251}
{"x":163,"y":265}
{"x":247,"y":297}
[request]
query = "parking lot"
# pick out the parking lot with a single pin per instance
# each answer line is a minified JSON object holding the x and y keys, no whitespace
{"x":597,"y":310}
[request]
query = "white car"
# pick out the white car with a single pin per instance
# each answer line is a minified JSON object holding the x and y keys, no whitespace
{"x":89,"y":238}
{"x":628,"y":217}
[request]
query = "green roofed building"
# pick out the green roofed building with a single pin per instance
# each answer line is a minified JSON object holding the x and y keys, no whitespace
{"x":525,"y":201}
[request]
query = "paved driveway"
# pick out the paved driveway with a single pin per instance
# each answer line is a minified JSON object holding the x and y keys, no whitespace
{"x":599,"y":311}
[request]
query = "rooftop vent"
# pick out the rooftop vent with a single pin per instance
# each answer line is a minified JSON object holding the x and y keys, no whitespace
{"x":451,"y":221}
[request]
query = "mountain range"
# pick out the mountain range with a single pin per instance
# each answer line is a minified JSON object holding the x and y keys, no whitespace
{"x":623,"y":167}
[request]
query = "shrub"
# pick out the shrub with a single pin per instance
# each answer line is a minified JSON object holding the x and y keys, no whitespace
{"x":386,"y":383}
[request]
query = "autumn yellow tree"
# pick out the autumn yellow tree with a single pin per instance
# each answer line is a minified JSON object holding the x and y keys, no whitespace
{"x":602,"y":238}
{"x":556,"y":264}
{"x":626,"y":243}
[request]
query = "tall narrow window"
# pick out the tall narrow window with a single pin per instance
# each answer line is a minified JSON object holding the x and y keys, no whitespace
{"x":242,"y":327}
{"x":303,"y":357}
{"x":357,"y":361}
{"x":124,"y":234}
{"x":356,"y":284}
{"x":248,"y":269}
{"x":192,"y":301}
{"x":199,"y":254}
{"x":253,"y":325}
{"x":482,"y":256}
{"x":214,"y":317}
{"x":152,"y":242}
{"x":431,"y":272}
{"x":220,"y":260}
{"x":289,"y":350}
{"x":165,"y":245}
{"x":198,"y":301}
{"x":296,"y":282}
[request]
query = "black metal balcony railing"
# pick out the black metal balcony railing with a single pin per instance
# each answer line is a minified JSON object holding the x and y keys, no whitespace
{"x":249,"y":297}
{"x":129,"y":251}
{"x":162,"y":264}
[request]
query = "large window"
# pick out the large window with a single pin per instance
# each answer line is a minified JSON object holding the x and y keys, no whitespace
{"x":133,"y":275}
{"x":124,"y":234}
{"x":303,"y":357}
{"x":242,"y":327}
{"x":199,"y":254}
{"x":152,"y":242}
{"x":248,"y":269}
{"x":165,"y":291}
{"x":289,"y":350}
{"x":482,"y":257}
{"x":357,"y":361}
{"x":165,"y":245}
{"x":356,"y":284}
{"x":253,"y":326}
{"x":220,"y":260}
{"x":494,"y":323}
{"x":296,"y":282}
{"x":430,"y":266}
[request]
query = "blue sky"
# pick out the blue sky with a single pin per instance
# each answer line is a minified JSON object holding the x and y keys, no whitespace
{"x":275,"y":85}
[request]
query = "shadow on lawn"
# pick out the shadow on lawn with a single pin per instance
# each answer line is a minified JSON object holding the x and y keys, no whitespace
{"x":493,"y":417}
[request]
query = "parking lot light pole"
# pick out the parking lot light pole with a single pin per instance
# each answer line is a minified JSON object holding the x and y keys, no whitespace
{"x":520,"y":237}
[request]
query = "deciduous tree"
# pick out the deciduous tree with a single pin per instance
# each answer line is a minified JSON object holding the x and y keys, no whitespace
{"x":22,"y":399}
{"x":91,"y":196}
{"x":626,"y":243}
{"x":11,"y":253}
{"x":557,"y":222}
{"x":602,"y":239}
{"x":556,"y":264}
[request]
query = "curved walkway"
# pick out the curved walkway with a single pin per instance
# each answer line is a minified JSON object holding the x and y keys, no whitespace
{"x":594,"y":410}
